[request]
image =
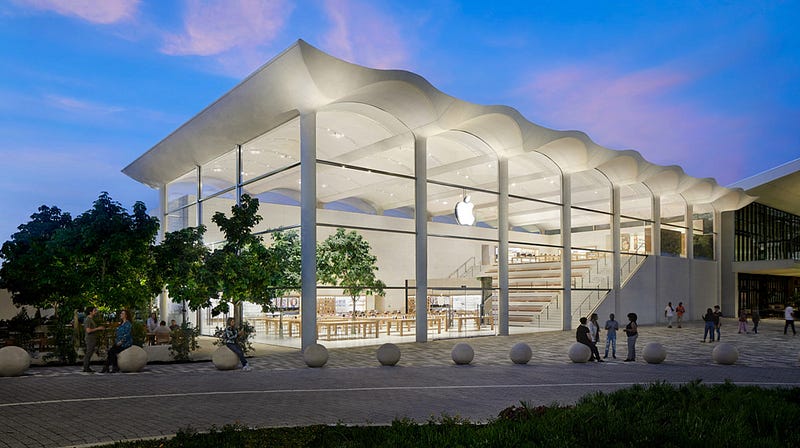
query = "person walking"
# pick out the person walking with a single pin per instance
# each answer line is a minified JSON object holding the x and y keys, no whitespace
{"x":123,"y":340}
{"x":231,"y":339}
{"x":669,"y":313}
{"x":611,"y":336}
{"x":583,"y":335}
{"x":742,"y":321}
{"x":717,"y":320}
{"x":788,"y":314}
{"x":709,"y":326}
{"x":680,"y":310}
{"x":632,"y":331}
{"x":756,"y":317}
{"x":90,"y":328}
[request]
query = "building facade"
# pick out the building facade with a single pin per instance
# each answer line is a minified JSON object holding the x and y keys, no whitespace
{"x":501,"y":225}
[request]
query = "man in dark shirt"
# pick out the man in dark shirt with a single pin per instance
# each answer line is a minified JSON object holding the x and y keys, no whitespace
{"x":582,"y":336}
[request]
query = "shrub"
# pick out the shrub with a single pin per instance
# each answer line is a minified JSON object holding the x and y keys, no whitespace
{"x":183,"y":341}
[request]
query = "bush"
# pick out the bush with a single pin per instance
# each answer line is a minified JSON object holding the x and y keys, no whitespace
{"x":246,"y":332}
{"x":183,"y":341}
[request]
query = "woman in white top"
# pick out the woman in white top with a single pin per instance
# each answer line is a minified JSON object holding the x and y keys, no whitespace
{"x":788,"y":314}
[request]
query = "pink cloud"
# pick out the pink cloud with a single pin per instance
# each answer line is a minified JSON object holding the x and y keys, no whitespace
{"x":363,"y":35}
{"x":103,"y":12}
{"x":642,"y":110}
{"x":220,"y":26}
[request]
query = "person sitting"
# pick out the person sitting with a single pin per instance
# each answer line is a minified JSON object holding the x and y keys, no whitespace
{"x":173,"y":325}
{"x":582,"y":335}
{"x":162,"y":334}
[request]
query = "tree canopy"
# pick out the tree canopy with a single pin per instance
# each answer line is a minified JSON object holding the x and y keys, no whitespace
{"x":344,"y":259}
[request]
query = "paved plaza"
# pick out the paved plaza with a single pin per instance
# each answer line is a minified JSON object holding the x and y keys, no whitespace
{"x":60,"y":406}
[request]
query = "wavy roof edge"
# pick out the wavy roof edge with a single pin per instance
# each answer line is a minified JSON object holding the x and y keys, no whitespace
{"x":303,"y":78}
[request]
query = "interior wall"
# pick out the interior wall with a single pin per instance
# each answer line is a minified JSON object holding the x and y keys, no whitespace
{"x":705,"y":292}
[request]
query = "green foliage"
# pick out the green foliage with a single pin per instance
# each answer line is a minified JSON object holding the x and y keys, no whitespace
{"x":345,"y":260}
{"x":246,"y":333}
{"x":183,"y":341}
{"x":139,"y":332}
{"x":284,"y":258}
{"x":65,"y":335}
{"x":240,"y":270}
{"x":36,"y":269}
{"x":180,"y":261}
{"x":659,"y":415}
{"x":24,"y":327}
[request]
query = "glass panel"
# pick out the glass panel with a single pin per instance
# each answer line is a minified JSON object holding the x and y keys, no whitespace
{"x":635,"y":236}
{"x":362,"y":191}
{"x":182,"y":191}
{"x":219,"y":174}
{"x":673,"y":210}
{"x":279,"y":199}
{"x":531,"y":175}
{"x":703,"y":231}
{"x":222,"y":203}
{"x":533,"y":217}
{"x":477,"y":211}
{"x":592,"y":190}
{"x":461,"y":159}
{"x":591,"y":230}
{"x":273,"y":150}
{"x":181,"y":219}
{"x":673,"y":241}
{"x":635,"y":201}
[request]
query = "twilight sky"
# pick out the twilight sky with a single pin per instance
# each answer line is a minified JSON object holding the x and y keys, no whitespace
{"x":87,"y":86}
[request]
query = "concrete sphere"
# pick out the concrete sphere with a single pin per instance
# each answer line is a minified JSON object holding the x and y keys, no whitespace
{"x":132,"y":359}
{"x":654,"y":353}
{"x":388,"y":354}
{"x":520,"y":353}
{"x":462,"y":353}
{"x":725,"y":353}
{"x":224,"y":358}
{"x":14,"y":361}
{"x":580,"y":353}
{"x":315,"y":355}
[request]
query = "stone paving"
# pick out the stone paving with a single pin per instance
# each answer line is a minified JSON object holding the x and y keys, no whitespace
{"x":60,"y":406}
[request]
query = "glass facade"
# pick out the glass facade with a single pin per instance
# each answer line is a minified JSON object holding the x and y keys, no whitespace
{"x":766,"y":233}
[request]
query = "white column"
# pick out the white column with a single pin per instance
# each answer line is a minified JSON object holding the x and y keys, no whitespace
{"x":502,"y":229}
{"x":566,"y":251}
{"x":616,"y":222}
{"x":308,"y":227}
{"x":421,"y":235}
{"x":163,"y":298}
{"x":198,"y":221}
{"x":687,"y":222}
{"x":657,"y":254}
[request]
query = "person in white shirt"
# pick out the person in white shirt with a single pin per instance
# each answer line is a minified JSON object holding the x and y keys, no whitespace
{"x":788,"y":314}
{"x":669,"y":313}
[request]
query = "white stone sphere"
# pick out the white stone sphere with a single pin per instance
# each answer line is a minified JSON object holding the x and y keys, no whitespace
{"x":224,"y":358}
{"x":654,"y":353}
{"x":580,"y":353}
{"x":14,"y":361}
{"x":520,"y":353}
{"x":315,"y":355}
{"x":462,"y":353}
{"x":725,"y":353}
{"x":388,"y":354}
{"x":132,"y":359}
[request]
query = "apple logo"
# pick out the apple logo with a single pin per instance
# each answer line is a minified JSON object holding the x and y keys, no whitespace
{"x":464,"y":212}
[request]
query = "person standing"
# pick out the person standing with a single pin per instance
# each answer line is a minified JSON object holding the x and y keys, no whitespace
{"x":742,"y":321}
{"x":123,"y":340}
{"x":680,"y":310}
{"x":632,"y":331}
{"x":788,"y":314}
{"x":756,"y":316}
{"x":669,"y":313}
{"x":594,"y":329}
{"x":709,"y":327}
{"x":717,"y":320}
{"x":583,"y":335}
{"x":611,"y":336}
{"x":90,"y":328}
{"x":231,"y":339}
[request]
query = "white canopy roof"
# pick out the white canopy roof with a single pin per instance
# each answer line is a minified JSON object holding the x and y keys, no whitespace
{"x":303,"y":79}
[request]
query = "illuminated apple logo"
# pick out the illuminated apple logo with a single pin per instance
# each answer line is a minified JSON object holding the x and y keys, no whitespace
{"x":464,"y":212}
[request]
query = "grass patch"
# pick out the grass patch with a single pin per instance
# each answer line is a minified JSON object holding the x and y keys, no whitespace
{"x":658,"y":415}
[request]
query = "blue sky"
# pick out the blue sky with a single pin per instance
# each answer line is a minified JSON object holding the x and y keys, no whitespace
{"x":87,"y":86}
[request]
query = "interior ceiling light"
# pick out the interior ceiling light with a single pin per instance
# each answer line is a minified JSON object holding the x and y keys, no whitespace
{"x":217,"y":170}
{"x":255,"y":151}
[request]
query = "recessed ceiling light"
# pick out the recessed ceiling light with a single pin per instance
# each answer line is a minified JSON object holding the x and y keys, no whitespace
{"x":255,"y":151}
{"x":217,"y":170}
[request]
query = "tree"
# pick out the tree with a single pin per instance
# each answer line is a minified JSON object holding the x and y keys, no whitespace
{"x":180,"y":262}
{"x":36,"y":269}
{"x":344,"y":260}
{"x":284,"y":257}
{"x":115,"y":254}
{"x":241,"y":269}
